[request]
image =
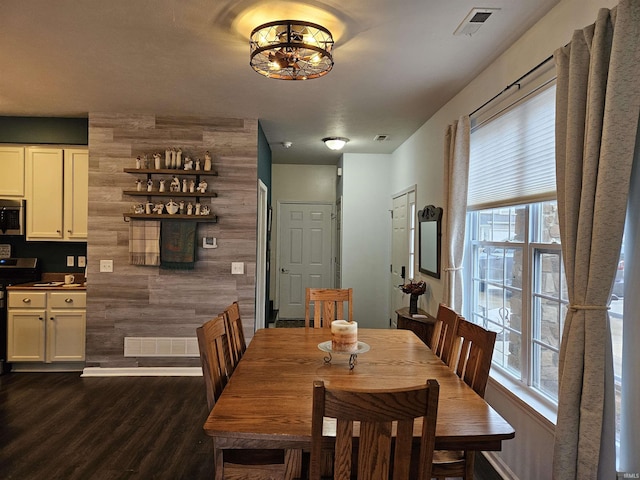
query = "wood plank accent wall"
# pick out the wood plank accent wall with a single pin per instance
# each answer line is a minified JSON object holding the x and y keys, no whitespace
{"x":144,"y":301}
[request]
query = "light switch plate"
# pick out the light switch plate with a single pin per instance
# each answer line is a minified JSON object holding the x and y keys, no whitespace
{"x":237,"y":268}
{"x":106,"y":266}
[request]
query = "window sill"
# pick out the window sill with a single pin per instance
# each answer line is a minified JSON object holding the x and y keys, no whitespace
{"x":541,"y":409}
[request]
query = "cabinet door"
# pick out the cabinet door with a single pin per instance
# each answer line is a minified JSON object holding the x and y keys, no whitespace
{"x":76,"y":198}
{"x":66,"y":335}
{"x":12,"y":172}
{"x":44,"y":193}
{"x":25,"y":335}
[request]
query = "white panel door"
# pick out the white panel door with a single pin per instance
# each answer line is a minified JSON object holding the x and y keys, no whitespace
{"x":304,"y":238}
{"x":401,"y":248}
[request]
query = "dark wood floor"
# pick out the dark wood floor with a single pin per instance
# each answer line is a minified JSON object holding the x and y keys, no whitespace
{"x":61,"y":426}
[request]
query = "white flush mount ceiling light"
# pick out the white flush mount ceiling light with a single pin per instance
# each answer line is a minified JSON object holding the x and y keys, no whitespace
{"x":335,"y":143}
{"x":291,"y":50}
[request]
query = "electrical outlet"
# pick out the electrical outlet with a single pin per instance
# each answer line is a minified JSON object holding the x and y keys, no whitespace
{"x":82,"y":261}
{"x":237,"y":268}
{"x":106,"y":266}
{"x":71,"y":261}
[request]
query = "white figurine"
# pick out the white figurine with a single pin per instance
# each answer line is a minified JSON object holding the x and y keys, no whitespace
{"x":179,"y":158}
{"x":173,"y":158}
{"x":202,"y":186}
{"x":192,"y":186}
{"x":197,"y":164}
{"x":207,"y":161}
{"x":189,"y":209}
{"x":175,"y":184}
{"x":167,"y":158}
{"x":205,"y":210}
{"x":181,"y":207}
{"x":188,"y":163}
{"x":156,"y":158}
{"x":161,"y":187}
{"x":139,"y":185}
{"x":138,"y":162}
{"x":149,"y":185}
{"x":147,"y":208}
{"x":197,"y":209}
{"x":158,"y":208}
{"x":184,"y":185}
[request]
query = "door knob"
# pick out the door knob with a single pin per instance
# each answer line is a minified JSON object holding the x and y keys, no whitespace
{"x":284,"y":271}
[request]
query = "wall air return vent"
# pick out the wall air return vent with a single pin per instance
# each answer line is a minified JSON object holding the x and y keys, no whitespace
{"x":474,"y":20}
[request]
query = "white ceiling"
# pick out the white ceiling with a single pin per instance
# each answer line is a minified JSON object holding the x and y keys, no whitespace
{"x":396,"y":63}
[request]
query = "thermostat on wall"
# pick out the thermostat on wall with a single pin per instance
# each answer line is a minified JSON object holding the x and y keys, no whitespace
{"x":5,"y":250}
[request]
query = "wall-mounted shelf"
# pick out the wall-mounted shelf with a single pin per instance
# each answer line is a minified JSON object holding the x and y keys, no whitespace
{"x":149,"y":172}
{"x":167,"y":216}
{"x":144,"y":193}
{"x":171,"y":171}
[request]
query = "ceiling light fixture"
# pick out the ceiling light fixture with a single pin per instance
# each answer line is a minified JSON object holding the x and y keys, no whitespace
{"x":335,"y":143}
{"x":291,"y":50}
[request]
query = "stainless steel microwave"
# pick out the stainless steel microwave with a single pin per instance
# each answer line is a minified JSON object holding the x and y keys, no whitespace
{"x":12,"y":216}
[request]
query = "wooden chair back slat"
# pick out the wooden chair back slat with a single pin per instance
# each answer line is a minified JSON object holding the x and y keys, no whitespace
{"x":380,"y":416}
{"x":237,"y":342}
{"x":476,"y":350}
{"x":328,"y":305}
{"x":444,"y":333}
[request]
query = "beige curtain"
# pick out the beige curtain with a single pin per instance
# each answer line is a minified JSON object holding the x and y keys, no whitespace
{"x":597,"y":108}
{"x":456,"y":174}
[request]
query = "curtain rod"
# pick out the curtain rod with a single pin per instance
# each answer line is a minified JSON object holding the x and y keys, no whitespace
{"x":512,"y":84}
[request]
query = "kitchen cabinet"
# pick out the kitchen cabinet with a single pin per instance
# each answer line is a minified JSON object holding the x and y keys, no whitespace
{"x":57,"y":185}
{"x":46,"y":326}
{"x":12,"y":172}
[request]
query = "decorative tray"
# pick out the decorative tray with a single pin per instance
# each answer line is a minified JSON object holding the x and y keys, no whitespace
{"x":326,"y":347}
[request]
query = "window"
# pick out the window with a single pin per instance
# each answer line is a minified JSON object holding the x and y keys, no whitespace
{"x":517,"y":289}
{"x":516,"y":284}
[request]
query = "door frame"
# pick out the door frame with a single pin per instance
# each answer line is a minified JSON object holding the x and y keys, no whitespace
{"x":261,"y":257}
{"x":279,"y":203}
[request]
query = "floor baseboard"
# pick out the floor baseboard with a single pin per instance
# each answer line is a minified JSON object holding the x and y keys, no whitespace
{"x":142,"y":372}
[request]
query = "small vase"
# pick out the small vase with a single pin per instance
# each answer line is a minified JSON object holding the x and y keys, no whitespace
{"x":413,"y":304}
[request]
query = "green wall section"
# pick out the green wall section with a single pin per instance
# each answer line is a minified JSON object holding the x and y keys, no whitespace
{"x":41,"y":130}
{"x":55,"y":131}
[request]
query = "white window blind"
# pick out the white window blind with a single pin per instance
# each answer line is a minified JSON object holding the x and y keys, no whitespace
{"x":512,"y":156}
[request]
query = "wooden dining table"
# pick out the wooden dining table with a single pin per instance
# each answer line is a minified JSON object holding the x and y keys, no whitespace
{"x":268,"y":400}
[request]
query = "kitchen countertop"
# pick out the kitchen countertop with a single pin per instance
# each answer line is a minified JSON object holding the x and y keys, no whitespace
{"x":52,"y":285}
{"x":53,"y":281}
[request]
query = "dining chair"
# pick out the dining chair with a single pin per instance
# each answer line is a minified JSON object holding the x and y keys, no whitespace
{"x":375,"y":416}
{"x":258,"y":464}
{"x":473,"y":363}
{"x":442,"y":343}
{"x":237,"y":343}
{"x":213,"y":345}
{"x":328,"y":305}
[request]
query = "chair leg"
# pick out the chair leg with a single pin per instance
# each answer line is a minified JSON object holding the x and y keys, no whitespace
{"x":469,"y":456}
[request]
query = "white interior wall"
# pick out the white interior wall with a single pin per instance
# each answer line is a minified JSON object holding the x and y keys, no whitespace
{"x":420,"y":160}
{"x":299,"y":183}
{"x":366,"y":236}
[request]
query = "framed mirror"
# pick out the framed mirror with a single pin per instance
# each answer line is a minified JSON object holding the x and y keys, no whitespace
{"x":430,"y":238}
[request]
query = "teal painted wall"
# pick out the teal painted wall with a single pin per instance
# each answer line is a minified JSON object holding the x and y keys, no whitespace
{"x":54,"y":131}
{"x":264,"y":174}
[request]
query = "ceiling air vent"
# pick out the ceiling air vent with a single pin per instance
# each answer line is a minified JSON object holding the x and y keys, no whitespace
{"x":380,"y":138}
{"x":474,"y":20}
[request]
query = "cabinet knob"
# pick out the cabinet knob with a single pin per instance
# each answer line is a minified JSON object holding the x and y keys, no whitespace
{"x":58,"y":231}
{"x":68,"y":300}
{"x":69,"y":231}
{"x":26,"y":300}
{"x":52,"y":318}
{"x":40,"y":318}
